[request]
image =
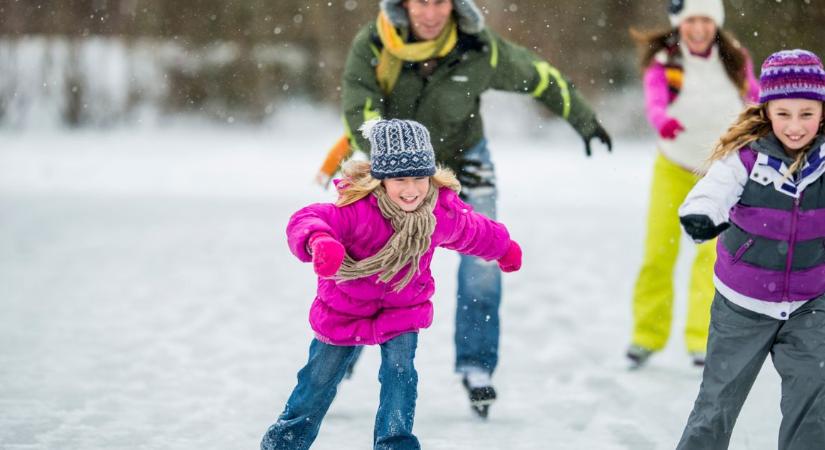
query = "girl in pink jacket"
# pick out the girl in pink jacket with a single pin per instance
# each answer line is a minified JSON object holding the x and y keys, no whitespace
{"x":372,"y":251}
{"x":697,"y":78}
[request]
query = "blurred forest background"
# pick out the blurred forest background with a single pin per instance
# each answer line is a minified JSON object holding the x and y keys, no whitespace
{"x":103,"y":62}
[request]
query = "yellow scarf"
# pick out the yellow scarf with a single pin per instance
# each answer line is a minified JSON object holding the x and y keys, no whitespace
{"x":396,"y":50}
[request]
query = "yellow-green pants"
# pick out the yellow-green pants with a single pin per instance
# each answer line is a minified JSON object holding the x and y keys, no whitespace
{"x":653,"y":295}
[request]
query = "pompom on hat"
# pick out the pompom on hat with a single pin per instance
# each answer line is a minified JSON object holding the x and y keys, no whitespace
{"x":792,"y":74}
{"x":679,"y":10}
{"x":399,"y":148}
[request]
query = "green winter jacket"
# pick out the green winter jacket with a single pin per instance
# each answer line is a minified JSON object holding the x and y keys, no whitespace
{"x":447,"y":101}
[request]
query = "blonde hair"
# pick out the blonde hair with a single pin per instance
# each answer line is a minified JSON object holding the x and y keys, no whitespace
{"x":752,"y":124}
{"x":359,"y":183}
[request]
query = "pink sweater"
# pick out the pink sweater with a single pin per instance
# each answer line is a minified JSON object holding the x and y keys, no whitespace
{"x":366,"y":311}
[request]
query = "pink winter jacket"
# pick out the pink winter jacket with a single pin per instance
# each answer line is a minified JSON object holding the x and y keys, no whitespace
{"x":366,"y":311}
{"x":658,"y":95}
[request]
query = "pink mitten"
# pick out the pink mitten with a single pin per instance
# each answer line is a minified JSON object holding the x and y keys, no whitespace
{"x":511,"y":261}
{"x":327,"y":254}
{"x":670,"y":129}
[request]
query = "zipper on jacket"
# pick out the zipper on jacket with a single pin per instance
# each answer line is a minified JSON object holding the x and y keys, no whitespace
{"x":791,"y":245}
{"x":435,"y":75}
{"x":741,"y":252}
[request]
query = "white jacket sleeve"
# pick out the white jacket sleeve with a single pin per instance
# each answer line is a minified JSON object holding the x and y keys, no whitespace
{"x":716,"y":193}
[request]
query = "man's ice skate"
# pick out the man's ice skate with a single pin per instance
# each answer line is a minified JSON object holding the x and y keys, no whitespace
{"x":638,"y":356}
{"x":480,"y":390}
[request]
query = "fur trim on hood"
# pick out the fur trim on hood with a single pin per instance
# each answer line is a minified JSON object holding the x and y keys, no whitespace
{"x":469,"y":17}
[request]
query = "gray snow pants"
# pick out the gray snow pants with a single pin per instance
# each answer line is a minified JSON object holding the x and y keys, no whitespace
{"x":738,"y":343}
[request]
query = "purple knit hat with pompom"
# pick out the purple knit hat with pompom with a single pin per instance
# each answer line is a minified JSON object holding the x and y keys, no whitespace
{"x":792,"y":74}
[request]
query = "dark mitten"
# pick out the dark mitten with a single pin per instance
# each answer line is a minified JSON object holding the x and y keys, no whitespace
{"x":601,"y":134}
{"x":700,"y":228}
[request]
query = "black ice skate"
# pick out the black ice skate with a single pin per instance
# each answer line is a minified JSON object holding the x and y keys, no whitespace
{"x":481,"y":397}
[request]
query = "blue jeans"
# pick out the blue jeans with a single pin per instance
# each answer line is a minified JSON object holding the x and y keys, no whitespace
{"x":479,"y":282}
{"x":298,"y":425}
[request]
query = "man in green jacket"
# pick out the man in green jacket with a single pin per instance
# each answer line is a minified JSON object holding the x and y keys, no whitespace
{"x":430,"y":61}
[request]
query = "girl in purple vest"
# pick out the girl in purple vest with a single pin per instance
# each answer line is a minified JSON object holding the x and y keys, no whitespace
{"x":765,"y":194}
{"x":697,"y":78}
{"x":391,"y":215}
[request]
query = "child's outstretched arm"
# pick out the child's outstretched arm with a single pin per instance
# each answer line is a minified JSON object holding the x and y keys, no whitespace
{"x":474,"y":234}
{"x":705,"y":212}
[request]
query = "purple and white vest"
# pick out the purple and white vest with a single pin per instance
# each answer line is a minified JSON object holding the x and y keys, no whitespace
{"x":775,"y":248}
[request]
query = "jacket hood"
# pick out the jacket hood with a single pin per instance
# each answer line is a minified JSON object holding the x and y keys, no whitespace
{"x":469,"y":17}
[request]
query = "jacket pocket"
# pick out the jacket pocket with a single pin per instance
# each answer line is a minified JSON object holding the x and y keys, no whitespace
{"x":740,"y":252}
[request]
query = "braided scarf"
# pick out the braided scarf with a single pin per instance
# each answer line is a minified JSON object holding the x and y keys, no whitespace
{"x":396,"y":50}
{"x":410,"y":241}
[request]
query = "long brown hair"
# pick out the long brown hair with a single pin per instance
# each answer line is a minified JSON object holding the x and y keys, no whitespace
{"x":359,"y":182}
{"x":731,"y":52}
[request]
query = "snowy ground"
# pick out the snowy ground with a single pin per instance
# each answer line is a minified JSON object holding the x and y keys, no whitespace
{"x":149,"y":300}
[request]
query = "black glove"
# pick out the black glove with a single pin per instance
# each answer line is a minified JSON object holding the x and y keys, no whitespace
{"x":601,"y":134}
{"x":701,"y":228}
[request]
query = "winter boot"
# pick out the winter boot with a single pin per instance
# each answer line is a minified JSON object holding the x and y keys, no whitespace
{"x":480,"y":390}
{"x":638,"y":355}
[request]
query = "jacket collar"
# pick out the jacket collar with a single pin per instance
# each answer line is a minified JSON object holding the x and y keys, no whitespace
{"x":771,"y":146}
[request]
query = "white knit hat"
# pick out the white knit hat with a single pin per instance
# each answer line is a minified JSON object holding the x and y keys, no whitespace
{"x":679,"y":10}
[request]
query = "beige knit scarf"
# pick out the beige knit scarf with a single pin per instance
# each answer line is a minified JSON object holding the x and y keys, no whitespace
{"x":410,"y":241}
